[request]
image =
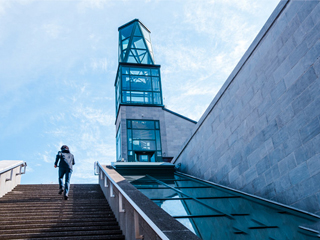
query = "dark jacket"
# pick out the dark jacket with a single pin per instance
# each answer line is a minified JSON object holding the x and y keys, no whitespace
{"x":66,"y":159}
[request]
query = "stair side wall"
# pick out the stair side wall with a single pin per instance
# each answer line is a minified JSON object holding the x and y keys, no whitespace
{"x":7,"y":186}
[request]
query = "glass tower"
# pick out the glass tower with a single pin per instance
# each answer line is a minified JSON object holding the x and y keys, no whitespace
{"x":138,"y":83}
{"x":138,"y":80}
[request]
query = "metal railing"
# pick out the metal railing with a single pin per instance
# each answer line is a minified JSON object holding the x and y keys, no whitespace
{"x":10,"y":174}
{"x":23,"y":165}
{"x":108,"y":182}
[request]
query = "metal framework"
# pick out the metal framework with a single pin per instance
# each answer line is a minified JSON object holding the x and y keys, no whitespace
{"x":200,"y":204}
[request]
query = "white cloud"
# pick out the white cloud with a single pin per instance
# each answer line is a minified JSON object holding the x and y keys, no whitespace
{"x":52,"y":29}
{"x":99,"y":64}
{"x":93,"y":4}
{"x":3,"y":5}
{"x":29,"y":169}
{"x":93,"y":116}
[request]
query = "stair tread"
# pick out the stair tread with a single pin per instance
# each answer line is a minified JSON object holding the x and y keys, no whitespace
{"x":37,"y":211}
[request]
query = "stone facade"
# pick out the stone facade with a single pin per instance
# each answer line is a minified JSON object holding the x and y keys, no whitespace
{"x":174,"y":128}
{"x":260,"y":134}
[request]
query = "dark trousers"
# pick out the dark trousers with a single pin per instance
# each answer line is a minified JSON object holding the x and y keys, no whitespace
{"x":65,"y":171}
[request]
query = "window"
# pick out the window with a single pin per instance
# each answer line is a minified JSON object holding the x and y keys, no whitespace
{"x":144,"y":142}
{"x":138,"y":85}
{"x":118,"y":144}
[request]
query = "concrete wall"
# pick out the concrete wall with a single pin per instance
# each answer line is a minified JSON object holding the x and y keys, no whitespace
{"x":9,"y":175}
{"x":174,"y":129}
{"x":260,"y":134}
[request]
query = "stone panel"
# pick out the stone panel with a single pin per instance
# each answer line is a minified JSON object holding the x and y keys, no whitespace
{"x":261,"y":133}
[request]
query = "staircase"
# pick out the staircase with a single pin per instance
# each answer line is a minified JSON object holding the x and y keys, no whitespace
{"x":38,"y":212}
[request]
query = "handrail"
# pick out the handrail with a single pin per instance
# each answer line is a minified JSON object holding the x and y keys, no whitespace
{"x":132,"y":203}
{"x":20,"y":163}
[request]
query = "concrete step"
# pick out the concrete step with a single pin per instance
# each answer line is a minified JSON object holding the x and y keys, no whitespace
{"x":56,"y":224}
{"x":60,"y":234}
{"x":5,"y":210}
{"x":38,"y":211}
{"x":56,"y":221}
{"x":106,"y":237}
{"x":59,"y":229}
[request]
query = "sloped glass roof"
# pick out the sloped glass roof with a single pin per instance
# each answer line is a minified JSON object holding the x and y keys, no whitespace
{"x":215,"y":212}
{"x":135,"y":44}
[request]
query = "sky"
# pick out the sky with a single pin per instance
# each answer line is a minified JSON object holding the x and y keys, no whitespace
{"x":58,"y":62}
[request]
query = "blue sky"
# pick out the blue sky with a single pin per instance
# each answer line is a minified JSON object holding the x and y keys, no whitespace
{"x":58,"y":61}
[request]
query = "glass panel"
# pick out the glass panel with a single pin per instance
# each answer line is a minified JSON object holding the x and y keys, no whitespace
{"x":137,"y":42}
{"x":158,"y":140}
{"x":141,"y":83}
{"x":144,"y":145}
{"x":190,"y":183}
{"x":155,"y":72}
{"x":118,"y":143}
{"x":137,"y":32}
{"x":125,"y":96}
{"x":156,"y":98}
{"x":143,"y":158}
{"x":149,"y":46}
{"x":140,"y":71}
{"x":152,"y":184}
{"x":204,"y":230}
{"x":142,"y":124}
{"x":119,"y":53}
{"x":185,"y":208}
{"x":117,"y":90}
{"x":131,"y":58}
{"x":204,"y":192}
{"x":147,"y":60}
{"x":137,"y":97}
{"x":126,"y":32}
{"x":129,"y":124}
{"x":159,"y":153}
{"x":125,"y":82}
{"x":135,"y":178}
{"x":153,"y":158}
{"x":148,"y":97}
{"x":125,"y":44}
{"x":157,"y":124}
{"x":146,"y":34}
{"x":141,"y":54}
{"x":155,"y":84}
{"x":143,"y":134}
{"x":124,"y":54}
{"x":129,"y":139}
{"x":187,"y":223}
{"x":158,"y":193}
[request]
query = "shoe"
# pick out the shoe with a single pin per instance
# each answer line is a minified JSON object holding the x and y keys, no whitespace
{"x":66,"y":197}
{"x":60,"y":191}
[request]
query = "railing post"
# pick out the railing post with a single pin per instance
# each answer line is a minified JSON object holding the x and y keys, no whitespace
{"x":96,"y":168}
{"x":11,"y":173}
{"x":120,"y":203}
{"x":24,"y":166}
{"x":111,"y":190}
{"x":136,"y":226}
{"x":101,"y":174}
{"x":105,"y":181}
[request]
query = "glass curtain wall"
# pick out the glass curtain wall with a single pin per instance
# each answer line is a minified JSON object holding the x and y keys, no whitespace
{"x":144,"y":142}
{"x":118,"y":144}
{"x":138,"y":85}
{"x":135,"y":44}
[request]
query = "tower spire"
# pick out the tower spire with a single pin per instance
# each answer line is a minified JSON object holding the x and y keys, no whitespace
{"x":135,"y":44}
